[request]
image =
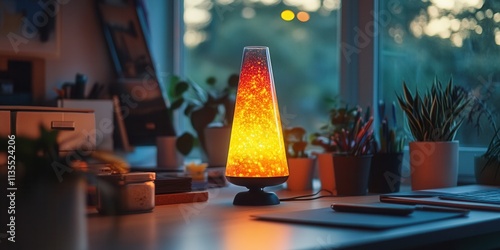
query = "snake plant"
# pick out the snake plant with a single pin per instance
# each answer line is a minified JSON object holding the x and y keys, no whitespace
{"x":438,"y":113}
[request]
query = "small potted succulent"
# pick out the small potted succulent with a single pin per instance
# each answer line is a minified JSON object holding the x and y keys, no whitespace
{"x":340,"y":118}
{"x":487,"y":166}
{"x":352,"y":162}
{"x":300,"y":165}
{"x":434,"y":118}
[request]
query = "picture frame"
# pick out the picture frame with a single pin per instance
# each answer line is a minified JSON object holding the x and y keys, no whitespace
{"x":30,"y":28}
{"x":127,"y":34}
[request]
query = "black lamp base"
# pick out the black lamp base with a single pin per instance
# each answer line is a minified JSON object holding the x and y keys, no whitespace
{"x":256,"y":197}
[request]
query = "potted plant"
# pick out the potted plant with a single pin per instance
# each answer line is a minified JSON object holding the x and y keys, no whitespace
{"x":352,"y":162}
{"x":487,"y":166}
{"x":385,"y":171}
{"x":300,"y":166}
{"x":210,"y":110}
{"x":339,"y":118}
{"x":433,"y":120}
{"x":43,"y":189}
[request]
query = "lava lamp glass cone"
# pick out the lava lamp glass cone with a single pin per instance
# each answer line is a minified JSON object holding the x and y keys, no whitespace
{"x":256,"y":157}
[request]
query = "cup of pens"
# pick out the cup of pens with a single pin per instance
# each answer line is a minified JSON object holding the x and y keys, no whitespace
{"x":385,"y":171}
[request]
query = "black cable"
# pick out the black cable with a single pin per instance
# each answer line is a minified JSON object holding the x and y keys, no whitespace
{"x":309,"y":197}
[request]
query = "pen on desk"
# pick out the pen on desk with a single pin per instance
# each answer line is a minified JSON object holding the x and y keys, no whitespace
{"x":440,"y":209}
{"x":407,"y":195}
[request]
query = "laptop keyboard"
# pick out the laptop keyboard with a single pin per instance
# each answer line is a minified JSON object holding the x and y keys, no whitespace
{"x":490,"y":196}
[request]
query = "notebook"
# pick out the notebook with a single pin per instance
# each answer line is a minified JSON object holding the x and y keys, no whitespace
{"x":451,"y":197}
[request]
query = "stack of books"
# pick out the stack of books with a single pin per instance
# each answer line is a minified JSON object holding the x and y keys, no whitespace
{"x":174,"y":189}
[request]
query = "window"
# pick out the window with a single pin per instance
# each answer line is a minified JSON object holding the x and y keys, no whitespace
{"x":423,"y":39}
{"x":302,"y":36}
{"x":414,"y":41}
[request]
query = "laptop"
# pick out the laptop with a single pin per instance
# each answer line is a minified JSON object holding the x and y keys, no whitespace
{"x":469,"y":196}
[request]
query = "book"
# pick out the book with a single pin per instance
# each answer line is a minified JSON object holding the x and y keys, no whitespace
{"x":176,"y":198}
{"x":167,"y":183}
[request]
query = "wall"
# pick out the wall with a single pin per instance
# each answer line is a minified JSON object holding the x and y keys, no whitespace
{"x":83,"y":48}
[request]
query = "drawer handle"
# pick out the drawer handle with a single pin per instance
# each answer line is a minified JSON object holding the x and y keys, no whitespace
{"x":63,"y":125}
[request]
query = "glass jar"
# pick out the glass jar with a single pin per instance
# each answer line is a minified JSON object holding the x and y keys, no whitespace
{"x":126,"y":193}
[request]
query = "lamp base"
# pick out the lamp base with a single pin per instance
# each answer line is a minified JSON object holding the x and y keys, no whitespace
{"x":256,"y":197}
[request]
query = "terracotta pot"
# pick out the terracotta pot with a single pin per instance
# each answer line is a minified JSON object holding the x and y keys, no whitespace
{"x":217,"y":145}
{"x":433,"y":164}
{"x":301,"y":174}
{"x":385,"y":173}
{"x":167,"y":155}
{"x":351,"y":174}
{"x":487,"y":174}
{"x":325,"y":171}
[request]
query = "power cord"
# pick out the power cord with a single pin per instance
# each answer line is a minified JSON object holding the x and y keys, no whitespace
{"x":309,"y":197}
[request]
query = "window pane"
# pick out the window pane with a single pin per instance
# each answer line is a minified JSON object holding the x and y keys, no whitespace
{"x":304,"y":51}
{"x":423,"y":39}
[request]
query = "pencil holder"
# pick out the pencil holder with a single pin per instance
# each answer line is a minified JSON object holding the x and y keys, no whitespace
{"x":385,"y":173}
{"x":351,"y":174}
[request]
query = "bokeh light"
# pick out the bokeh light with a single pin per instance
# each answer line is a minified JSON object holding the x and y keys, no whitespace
{"x":303,"y":16}
{"x":287,"y":15}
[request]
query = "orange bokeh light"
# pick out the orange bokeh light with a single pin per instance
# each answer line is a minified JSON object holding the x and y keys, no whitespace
{"x":303,"y":16}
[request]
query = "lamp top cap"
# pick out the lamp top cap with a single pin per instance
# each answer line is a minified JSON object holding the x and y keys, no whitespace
{"x":256,"y":47}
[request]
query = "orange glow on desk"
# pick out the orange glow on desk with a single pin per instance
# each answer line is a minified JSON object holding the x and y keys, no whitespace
{"x":256,"y":147}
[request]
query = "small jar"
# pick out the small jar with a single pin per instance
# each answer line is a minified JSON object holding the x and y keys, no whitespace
{"x":126,"y":193}
{"x":197,"y":171}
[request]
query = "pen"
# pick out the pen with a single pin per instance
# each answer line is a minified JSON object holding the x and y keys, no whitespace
{"x":441,"y":209}
{"x":408,"y":195}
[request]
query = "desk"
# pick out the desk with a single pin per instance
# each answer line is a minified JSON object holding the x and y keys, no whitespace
{"x":217,"y":224}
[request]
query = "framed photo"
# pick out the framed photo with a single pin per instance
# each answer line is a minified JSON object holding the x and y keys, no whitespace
{"x":30,"y":28}
{"x":126,"y":32}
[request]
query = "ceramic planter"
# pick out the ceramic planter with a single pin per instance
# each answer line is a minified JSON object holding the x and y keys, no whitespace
{"x":487,"y":174}
{"x":433,"y":164}
{"x":385,"y":173}
{"x":167,"y":155}
{"x":325,"y":171}
{"x":300,"y":174}
{"x":217,"y":145}
{"x":52,"y":214}
{"x":351,"y":174}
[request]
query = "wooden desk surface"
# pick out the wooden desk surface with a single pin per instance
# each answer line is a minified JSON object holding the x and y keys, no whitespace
{"x":217,"y":224}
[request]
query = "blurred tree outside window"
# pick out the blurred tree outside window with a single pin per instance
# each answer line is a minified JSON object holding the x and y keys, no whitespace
{"x":423,"y":39}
